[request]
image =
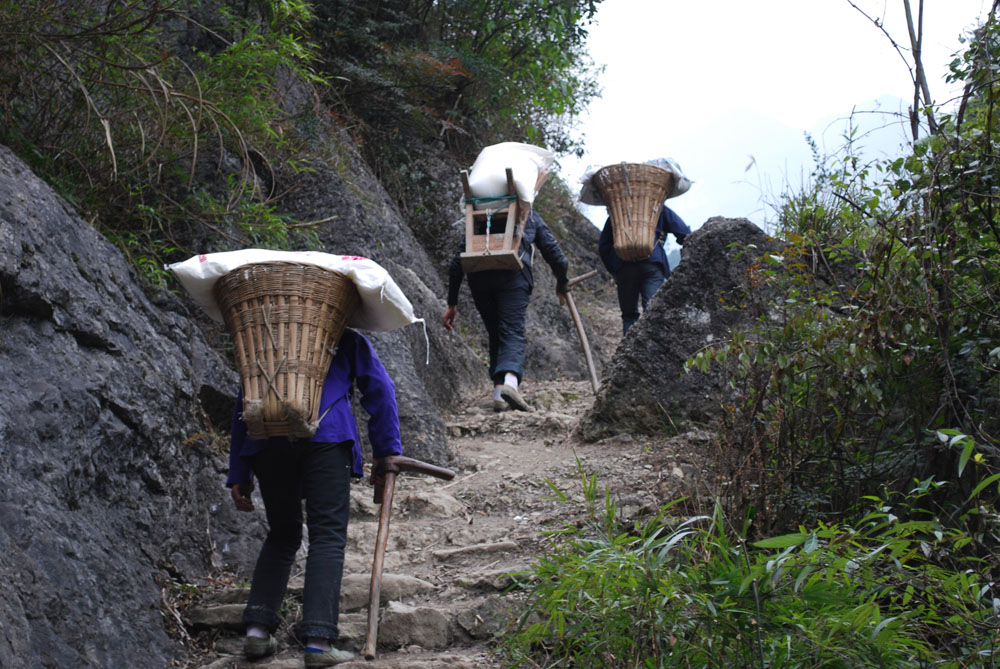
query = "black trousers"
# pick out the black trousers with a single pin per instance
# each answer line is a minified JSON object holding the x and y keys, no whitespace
{"x":501,"y":298}
{"x":635,"y":281}
{"x":320,"y":474}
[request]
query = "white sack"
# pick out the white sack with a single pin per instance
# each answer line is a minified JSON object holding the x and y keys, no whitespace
{"x":383,"y":305}
{"x":488,"y":175}
{"x":589,"y":194}
{"x":681,"y":184}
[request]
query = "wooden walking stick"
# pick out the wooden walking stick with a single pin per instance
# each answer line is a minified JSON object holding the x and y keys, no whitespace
{"x":384,"y":489}
{"x":579,"y":326}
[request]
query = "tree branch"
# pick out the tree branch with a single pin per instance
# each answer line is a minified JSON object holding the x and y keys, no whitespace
{"x":920,"y":82}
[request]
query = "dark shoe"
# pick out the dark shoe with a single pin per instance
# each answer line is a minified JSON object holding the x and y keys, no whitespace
{"x":499,"y":405}
{"x":513,"y":398}
{"x":315,"y":658}
{"x":255,"y":648}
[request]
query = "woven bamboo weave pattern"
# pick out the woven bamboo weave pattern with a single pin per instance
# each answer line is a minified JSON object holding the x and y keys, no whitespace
{"x":634,"y":194}
{"x":285,"y":320}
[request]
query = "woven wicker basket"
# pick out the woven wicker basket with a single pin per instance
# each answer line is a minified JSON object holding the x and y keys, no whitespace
{"x":285,"y":320}
{"x":634,"y":194}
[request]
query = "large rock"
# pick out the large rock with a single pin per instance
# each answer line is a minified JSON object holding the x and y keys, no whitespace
{"x":645,"y":389}
{"x":403,"y":625}
{"x":110,"y":481}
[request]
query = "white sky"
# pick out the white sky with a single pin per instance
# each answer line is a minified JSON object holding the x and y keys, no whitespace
{"x":718,"y":84}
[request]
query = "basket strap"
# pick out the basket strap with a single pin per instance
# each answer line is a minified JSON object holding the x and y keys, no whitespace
{"x":476,"y":200}
{"x":489,"y":226}
{"x":628,"y":209}
{"x":270,"y":379}
{"x":314,"y":426}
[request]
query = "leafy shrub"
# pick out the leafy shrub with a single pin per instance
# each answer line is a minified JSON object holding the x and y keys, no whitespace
{"x":150,"y":134}
{"x":460,"y":73}
{"x":899,"y":587}
{"x":880,"y":322}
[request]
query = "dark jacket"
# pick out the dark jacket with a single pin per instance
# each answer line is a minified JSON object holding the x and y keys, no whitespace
{"x":667,"y":222}
{"x":535,"y":232}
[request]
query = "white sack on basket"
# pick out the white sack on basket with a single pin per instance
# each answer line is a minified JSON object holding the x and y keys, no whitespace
{"x":681,"y":184}
{"x":383,"y":304}
{"x":528,"y":163}
{"x":589,"y":194}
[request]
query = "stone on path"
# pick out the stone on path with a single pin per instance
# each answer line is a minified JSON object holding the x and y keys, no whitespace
{"x":476,"y":549}
{"x":431,"y":504}
{"x":485,"y":620}
{"x":354,"y":589}
{"x":404,"y":625}
{"x":497,"y":579}
{"x":223,"y":616}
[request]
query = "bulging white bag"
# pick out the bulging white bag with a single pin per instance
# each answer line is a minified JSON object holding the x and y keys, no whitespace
{"x":529,"y":164}
{"x":383,"y":305}
{"x":681,"y":184}
{"x":589,"y":194}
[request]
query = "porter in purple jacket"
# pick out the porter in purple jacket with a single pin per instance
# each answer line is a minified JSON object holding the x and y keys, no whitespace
{"x":315,"y":473}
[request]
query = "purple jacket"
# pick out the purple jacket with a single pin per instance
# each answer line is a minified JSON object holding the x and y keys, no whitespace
{"x":354,"y":361}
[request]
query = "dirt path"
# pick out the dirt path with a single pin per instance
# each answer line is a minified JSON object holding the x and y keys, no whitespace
{"x":453,"y":546}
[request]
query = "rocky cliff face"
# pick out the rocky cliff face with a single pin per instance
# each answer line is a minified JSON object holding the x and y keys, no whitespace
{"x":109,"y":477}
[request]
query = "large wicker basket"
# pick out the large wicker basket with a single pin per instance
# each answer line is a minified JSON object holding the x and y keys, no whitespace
{"x":634,"y":194}
{"x":285,"y":320}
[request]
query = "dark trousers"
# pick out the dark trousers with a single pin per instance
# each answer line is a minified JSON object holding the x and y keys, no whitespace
{"x":320,"y":474}
{"x":501,"y":297}
{"x":635,"y":281}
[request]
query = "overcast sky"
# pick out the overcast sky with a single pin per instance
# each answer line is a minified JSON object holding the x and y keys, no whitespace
{"x":720,"y":85}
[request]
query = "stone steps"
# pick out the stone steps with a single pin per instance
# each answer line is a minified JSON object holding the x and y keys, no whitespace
{"x":452,"y":550}
{"x":435,"y":596}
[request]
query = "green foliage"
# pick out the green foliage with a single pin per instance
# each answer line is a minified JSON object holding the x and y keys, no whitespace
{"x":530,"y":71}
{"x":155,"y":141}
{"x":874,"y":364}
{"x":689,"y":592}
{"x":463,"y":72}
{"x":880,"y":322}
{"x":860,"y":442}
{"x":167,"y":122}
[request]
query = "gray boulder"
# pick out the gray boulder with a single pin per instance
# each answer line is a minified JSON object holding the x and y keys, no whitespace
{"x":645,"y":389}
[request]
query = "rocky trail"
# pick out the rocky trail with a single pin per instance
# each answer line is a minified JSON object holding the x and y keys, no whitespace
{"x":454,"y":546}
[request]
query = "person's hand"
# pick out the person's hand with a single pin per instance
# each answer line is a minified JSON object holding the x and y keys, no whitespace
{"x":562,"y":288}
{"x":241,"y":496}
{"x":377,"y":479}
{"x":449,"y":317}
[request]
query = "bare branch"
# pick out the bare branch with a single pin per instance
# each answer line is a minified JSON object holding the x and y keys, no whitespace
{"x":920,"y":82}
{"x":881,"y":27}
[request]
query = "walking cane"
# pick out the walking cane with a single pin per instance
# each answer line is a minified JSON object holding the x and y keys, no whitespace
{"x":579,"y":326}
{"x":384,"y":489}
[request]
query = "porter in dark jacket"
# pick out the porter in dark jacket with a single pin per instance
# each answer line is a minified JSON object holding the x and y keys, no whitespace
{"x":501,"y":296}
{"x":643,"y":278}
